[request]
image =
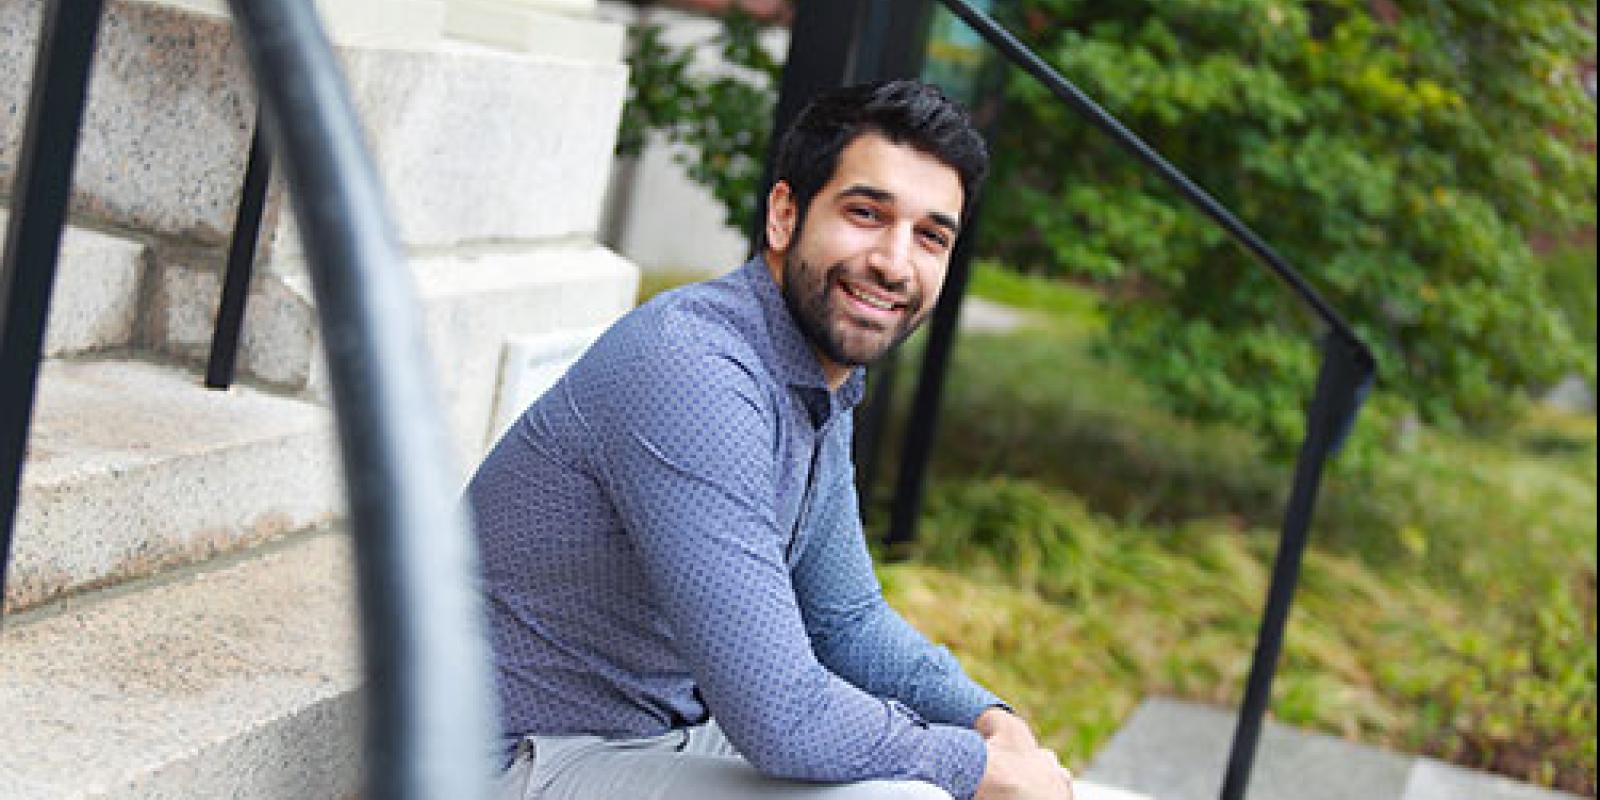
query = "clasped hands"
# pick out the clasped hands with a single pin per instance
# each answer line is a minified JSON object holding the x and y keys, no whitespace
{"x":1018,"y":768}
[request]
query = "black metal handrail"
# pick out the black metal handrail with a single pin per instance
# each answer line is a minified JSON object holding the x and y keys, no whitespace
{"x":1346,"y":372}
{"x":241,"y":263}
{"x":33,"y":232}
{"x":1021,"y":56}
{"x":430,"y":720}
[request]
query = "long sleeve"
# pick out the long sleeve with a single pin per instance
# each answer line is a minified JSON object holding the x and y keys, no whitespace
{"x":853,"y":630}
{"x":691,"y":469}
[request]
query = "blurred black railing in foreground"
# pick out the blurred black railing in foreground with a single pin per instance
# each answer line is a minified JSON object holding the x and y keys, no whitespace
{"x":1347,"y":371}
{"x":429,"y":720}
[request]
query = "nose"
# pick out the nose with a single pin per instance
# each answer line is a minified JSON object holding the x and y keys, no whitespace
{"x":890,"y":257}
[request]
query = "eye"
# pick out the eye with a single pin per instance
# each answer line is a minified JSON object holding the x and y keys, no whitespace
{"x":935,"y":239}
{"x":864,"y":213}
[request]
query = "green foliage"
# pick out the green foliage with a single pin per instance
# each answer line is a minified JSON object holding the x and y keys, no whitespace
{"x":1402,"y":164}
{"x":721,"y":118}
{"x":1570,"y":275}
{"x":1084,"y":548}
{"x":654,"y":282}
{"x":1053,"y":302}
{"x":1075,"y":617}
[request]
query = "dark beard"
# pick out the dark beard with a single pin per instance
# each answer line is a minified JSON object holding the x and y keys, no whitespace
{"x":808,"y":305}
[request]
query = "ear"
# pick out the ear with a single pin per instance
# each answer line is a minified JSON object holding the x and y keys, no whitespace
{"x":782,"y":212}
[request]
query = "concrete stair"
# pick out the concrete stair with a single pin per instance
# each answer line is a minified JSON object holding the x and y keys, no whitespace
{"x":177,"y":619}
{"x":495,"y":295}
{"x":134,"y":468}
{"x":99,"y":278}
{"x":171,"y":627}
{"x":237,"y":680}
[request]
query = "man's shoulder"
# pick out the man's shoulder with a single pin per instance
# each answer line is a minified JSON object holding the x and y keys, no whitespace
{"x":717,"y":317}
{"x":696,"y":350}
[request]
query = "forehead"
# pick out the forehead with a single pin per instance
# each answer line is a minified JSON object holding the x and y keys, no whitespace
{"x":920,"y":183}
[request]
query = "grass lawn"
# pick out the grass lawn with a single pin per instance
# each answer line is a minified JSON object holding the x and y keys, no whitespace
{"x":1082,"y":549}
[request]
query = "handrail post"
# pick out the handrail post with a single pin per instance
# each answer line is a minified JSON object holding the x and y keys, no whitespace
{"x":922,"y":424}
{"x":1346,"y":374}
{"x":67,"y":32}
{"x":1342,"y":383}
{"x":241,"y":263}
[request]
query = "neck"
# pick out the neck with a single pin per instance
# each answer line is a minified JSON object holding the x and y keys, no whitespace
{"x":835,"y":374}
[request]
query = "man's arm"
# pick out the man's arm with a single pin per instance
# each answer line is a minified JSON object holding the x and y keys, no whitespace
{"x":853,"y":630}
{"x":860,"y":637}
{"x":693,"y":481}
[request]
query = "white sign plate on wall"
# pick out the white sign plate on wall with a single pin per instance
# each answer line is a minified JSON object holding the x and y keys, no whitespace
{"x":529,"y":366}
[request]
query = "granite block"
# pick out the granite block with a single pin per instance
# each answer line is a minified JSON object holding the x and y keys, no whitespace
{"x":471,"y":302}
{"x":94,"y":304}
{"x":168,"y":124}
{"x":474,"y":145}
{"x":1173,"y":750}
{"x":134,"y":468}
{"x":239,"y":681}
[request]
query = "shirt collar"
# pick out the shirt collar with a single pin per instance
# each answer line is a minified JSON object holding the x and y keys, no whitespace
{"x":794,"y":362}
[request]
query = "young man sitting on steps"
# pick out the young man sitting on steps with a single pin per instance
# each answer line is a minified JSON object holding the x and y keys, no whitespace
{"x":680,"y":596}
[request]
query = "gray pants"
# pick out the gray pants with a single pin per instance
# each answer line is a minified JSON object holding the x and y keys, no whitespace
{"x":697,"y":763}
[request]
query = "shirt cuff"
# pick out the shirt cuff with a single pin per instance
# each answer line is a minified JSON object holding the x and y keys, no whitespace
{"x":957,"y":760}
{"x":960,"y":704}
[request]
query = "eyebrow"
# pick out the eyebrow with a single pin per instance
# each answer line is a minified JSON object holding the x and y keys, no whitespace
{"x":882,"y":196}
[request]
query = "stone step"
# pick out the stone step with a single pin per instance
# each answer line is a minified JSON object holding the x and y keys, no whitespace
{"x":473,"y":144}
{"x":133,"y":468}
{"x":1173,"y":750}
{"x":235,"y":680}
{"x":473,"y":306}
{"x":167,"y":124}
{"x":94,"y":304}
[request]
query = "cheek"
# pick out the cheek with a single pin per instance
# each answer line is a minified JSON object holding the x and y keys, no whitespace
{"x":931,"y":278}
{"x":837,"y":242}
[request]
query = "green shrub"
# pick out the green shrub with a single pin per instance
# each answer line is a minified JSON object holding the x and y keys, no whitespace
{"x":1074,"y":617}
{"x":1401,"y":160}
{"x":721,"y":118}
{"x":1570,"y":274}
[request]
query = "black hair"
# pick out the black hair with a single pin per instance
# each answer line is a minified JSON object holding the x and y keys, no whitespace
{"x":903,"y":111}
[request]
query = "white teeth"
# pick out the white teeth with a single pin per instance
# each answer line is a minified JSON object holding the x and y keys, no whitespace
{"x":881,"y":305}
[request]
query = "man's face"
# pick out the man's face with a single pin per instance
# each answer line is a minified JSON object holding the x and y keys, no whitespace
{"x":866,"y":266}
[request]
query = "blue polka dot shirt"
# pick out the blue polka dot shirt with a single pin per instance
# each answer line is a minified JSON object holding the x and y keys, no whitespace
{"x":671,"y":532}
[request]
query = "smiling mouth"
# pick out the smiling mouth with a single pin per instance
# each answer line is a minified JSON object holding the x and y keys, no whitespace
{"x":883,"y":304}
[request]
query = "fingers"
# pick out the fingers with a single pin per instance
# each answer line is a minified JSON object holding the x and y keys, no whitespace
{"x":1065,"y":774}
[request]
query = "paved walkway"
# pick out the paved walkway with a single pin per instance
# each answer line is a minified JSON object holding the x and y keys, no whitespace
{"x":1171,"y":750}
{"x":978,"y":314}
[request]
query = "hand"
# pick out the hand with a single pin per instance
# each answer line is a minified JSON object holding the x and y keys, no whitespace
{"x":1000,"y":726}
{"x":1023,"y":774}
